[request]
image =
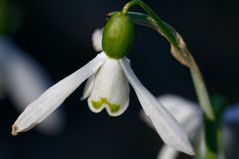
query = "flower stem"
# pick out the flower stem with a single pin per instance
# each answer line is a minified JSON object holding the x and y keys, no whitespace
{"x":128,"y":5}
{"x":152,"y":14}
{"x":201,"y":89}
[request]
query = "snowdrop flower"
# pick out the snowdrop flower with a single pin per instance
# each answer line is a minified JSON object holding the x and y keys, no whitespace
{"x":109,"y":75}
{"x":190,"y":116}
{"x":24,"y":80}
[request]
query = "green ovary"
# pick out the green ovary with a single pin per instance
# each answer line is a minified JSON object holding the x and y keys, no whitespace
{"x":113,"y":107}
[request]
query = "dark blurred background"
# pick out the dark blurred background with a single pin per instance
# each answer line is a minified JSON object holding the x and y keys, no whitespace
{"x":58,"y":35}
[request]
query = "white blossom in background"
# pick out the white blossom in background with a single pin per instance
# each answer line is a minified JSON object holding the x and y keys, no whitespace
{"x":23,"y":80}
{"x":107,"y":88}
{"x":190,"y":116}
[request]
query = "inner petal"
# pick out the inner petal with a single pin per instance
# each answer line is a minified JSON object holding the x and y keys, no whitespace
{"x":110,"y":89}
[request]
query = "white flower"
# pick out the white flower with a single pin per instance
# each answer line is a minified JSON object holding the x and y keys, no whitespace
{"x":23,"y":81}
{"x":108,"y":88}
{"x":190,"y":116}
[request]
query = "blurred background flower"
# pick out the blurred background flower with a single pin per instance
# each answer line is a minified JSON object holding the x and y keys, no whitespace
{"x":58,"y":35}
{"x":23,"y":80}
{"x":190,"y":116}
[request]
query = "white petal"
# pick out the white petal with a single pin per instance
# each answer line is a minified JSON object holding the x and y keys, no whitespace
{"x":186,"y":112}
{"x":166,"y":125}
{"x":38,"y":110}
{"x":110,"y":90}
{"x":22,"y":74}
{"x":189,"y":115}
{"x":167,"y":152}
{"x":97,"y":39}
{"x":88,"y":87}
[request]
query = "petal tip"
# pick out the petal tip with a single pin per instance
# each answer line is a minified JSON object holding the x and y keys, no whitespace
{"x":191,"y":151}
{"x":15,"y":130}
{"x":188,"y":149}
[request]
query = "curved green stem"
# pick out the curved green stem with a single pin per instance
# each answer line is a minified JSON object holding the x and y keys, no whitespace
{"x":182,"y":54}
{"x":130,"y":4}
{"x":201,"y":90}
{"x":152,"y":14}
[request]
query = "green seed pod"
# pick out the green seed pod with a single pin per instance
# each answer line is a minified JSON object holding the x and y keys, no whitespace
{"x":118,"y":35}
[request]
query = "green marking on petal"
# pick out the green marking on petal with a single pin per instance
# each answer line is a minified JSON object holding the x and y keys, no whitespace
{"x":96,"y":105}
{"x":113,"y":107}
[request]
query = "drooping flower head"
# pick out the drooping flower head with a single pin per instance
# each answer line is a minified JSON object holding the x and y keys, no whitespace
{"x":109,"y":75}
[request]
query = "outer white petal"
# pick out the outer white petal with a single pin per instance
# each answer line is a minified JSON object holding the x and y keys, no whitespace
{"x":189,"y":115}
{"x":166,"y":125}
{"x":167,"y":152}
{"x":97,"y":39}
{"x":110,"y":87}
{"x":24,"y":81}
{"x":186,"y":112}
{"x":38,"y":110}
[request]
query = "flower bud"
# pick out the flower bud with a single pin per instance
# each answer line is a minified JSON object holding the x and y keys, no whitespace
{"x":118,"y":35}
